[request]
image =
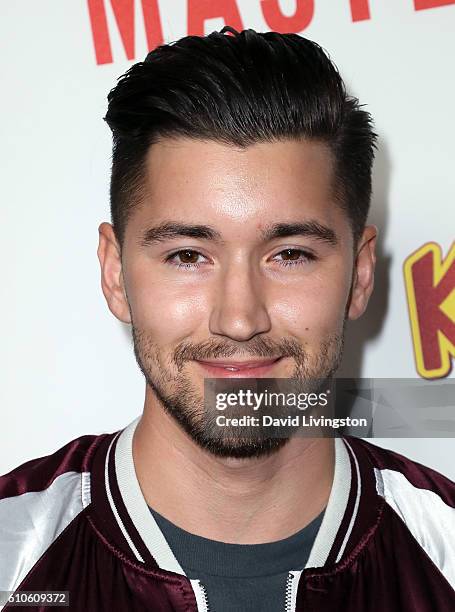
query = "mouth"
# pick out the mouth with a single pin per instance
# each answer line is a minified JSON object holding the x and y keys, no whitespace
{"x":239,"y":369}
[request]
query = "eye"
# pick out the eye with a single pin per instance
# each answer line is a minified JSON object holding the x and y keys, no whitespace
{"x":296,"y":257}
{"x":188,"y":258}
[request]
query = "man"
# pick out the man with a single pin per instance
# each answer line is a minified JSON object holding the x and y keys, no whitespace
{"x":240,"y":189}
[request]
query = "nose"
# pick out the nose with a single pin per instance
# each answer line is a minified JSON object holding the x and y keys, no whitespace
{"x":239,"y":310}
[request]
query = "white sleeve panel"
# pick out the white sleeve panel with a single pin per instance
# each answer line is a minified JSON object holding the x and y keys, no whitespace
{"x":30,"y":522}
{"x":430,"y":520}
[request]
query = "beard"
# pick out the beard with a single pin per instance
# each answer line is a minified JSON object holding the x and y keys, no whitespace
{"x":180,"y":398}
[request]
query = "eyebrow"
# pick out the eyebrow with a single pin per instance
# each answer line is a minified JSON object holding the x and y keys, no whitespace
{"x":311,"y":229}
{"x":171,"y":229}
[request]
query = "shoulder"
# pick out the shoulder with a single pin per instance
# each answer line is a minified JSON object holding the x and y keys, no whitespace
{"x":396,"y":474}
{"x":40,"y":473}
{"x":421,"y":498}
{"x":38,"y":500}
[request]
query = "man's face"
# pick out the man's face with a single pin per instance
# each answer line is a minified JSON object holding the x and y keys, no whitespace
{"x":235,"y":256}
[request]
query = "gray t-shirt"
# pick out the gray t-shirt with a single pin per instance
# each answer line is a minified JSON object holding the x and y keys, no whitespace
{"x":240,"y":577}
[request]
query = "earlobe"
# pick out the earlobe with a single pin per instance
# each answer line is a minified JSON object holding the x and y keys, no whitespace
{"x":112,"y":283}
{"x":363,"y":273}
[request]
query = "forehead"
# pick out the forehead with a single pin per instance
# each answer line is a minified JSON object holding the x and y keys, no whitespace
{"x":197,"y":180}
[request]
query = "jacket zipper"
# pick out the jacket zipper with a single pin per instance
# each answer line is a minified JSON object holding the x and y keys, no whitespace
{"x":292,"y":583}
{"x":200,"y":592}
{"x":204,"y":597}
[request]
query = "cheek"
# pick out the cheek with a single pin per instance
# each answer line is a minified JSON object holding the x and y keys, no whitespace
{"x":315,"y":308}
{"x":168,"y":310}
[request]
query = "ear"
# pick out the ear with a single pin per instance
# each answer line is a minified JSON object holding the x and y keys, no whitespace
{"x":363,"y":272}
{"x":109,"y":255}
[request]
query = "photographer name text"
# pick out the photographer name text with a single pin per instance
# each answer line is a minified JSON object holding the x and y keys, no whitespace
{"x":298,"y":420}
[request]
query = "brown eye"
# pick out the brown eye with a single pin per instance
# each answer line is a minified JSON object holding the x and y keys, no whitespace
{"x":185,"y":258}
{"x":295,"y":257}
{"x":188,"y":256}
{"x":293,"y":254}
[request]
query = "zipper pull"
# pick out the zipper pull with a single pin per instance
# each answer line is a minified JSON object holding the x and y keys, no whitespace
{"x":292,"y":583}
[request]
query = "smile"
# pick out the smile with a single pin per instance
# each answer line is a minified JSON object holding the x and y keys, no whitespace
{"x":245,"y":369}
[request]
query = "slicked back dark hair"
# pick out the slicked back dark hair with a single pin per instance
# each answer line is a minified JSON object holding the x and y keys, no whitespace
{"x":238,"y":88}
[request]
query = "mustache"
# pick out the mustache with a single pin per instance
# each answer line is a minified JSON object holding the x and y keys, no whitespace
{"x":258,"y":347}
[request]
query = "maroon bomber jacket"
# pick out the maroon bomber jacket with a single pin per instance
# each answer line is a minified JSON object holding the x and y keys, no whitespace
{"x":76,"y":521}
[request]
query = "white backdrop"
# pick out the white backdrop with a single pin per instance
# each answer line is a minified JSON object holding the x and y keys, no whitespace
{"x":67,"y":366}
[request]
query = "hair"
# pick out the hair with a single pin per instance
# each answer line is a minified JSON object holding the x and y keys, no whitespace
{"x":239,"y":88}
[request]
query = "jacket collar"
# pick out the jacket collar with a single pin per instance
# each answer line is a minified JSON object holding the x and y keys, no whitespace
{"x":121,"y":507}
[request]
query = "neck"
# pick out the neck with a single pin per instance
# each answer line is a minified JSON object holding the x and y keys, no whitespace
{"x":242,"y":501}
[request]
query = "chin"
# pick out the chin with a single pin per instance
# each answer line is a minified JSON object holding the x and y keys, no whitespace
{"x":240,"y":449}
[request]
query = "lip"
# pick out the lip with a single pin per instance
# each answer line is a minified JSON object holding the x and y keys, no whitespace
{"x":244,"y":369}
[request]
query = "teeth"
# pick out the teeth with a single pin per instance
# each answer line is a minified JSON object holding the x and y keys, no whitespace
{"x":232,"y":369}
